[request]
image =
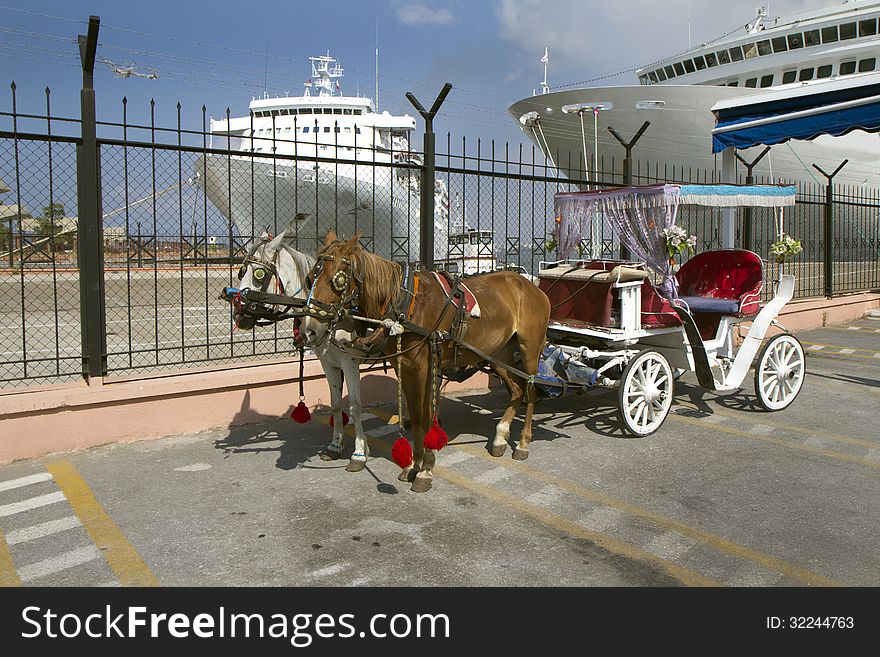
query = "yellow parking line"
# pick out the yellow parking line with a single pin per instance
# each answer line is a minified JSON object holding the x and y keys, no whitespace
{"x":121,"y":556}
{"x":789,"y":427}
{"x":802,"y":575}
{"x":835,"y":346}
{"x":776,"y":441}
{"x":8,"y":576}
{"x":553,"y":520}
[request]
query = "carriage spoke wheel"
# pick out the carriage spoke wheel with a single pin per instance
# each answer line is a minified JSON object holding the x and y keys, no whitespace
{"x":779,"y":372}
{"x":645,"y":393}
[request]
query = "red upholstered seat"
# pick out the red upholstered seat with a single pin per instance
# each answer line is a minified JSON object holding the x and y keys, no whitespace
{"x":729,"y":274}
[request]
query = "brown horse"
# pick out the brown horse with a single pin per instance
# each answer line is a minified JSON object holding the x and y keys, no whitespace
{"x":514,"y":317}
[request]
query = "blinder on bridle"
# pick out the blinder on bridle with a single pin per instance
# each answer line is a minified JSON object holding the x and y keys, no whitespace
{"x":339,"y":283}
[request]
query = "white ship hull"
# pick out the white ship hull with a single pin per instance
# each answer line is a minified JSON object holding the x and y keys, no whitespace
{"x":677,"y":145}
{"x":381,"y":204}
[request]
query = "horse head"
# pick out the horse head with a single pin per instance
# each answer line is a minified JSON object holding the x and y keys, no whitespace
{"x":271,"y":266}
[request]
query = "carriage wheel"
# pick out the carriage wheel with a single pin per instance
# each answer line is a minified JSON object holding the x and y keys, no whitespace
{"x":645,"y":393}
{"x":779,"y":372}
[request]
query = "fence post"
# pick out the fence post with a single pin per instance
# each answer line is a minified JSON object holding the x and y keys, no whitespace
{"x":829,"y":227}
{"x":90,"y":252}
{"x":426,"y":203}
{"x":747,"y":211}
{"x":627,"y":167}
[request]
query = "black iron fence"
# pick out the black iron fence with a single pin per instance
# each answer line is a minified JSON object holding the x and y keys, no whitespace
{"x":129,"y":285}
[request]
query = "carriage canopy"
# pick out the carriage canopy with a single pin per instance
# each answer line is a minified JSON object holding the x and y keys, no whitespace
{"x":639,"y":215}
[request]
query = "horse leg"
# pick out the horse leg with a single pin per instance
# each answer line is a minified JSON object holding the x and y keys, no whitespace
{"x":530,"y":352}
{"x":334,"y":379}
{"x":515,"y":389}
{"x":352,"y":374}
{"x":414,"y":379}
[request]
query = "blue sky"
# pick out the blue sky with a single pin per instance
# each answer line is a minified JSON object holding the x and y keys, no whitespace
{"x":215,"y":53}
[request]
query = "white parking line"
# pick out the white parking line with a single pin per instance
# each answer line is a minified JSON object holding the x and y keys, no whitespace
{"x":815,"y":347}
{"x":495,"y":475}
{"x":41,"y":530}
{"x":32,"y":503}
{"x":847,"y":351}
{"x":25,"y":481}
{"x":54,"y":565}
{"x":384,"y":430}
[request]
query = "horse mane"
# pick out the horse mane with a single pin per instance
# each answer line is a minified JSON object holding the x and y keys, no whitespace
{"x":302,"y":261}
{"x":381,"y":279}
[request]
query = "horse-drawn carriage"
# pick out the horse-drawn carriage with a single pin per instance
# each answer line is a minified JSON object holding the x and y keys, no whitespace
{"x":634,"y":325}
{"x":611,"y":325}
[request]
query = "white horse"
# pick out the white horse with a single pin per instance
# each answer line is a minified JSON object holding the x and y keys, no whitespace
{"x":274,"y":266}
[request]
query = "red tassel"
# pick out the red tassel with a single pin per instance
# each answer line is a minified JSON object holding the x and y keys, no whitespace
{"x":401,"y":453}
{"x":436,"y":438}
{"x":301,"y":413}
{"x":344,"y":419}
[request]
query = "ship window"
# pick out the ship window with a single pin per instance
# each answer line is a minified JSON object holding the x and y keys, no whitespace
{"x":723,"y":57}
{"x":735,"y":83}
{"x":337,"y":110}
{"x":277,"y":130}
{"x":767,"y":81}
{"x":287,"y":129}
{"x":868,"y":27}
{"x":669,"y":72}
{"x":847,"y":31}
{"x":357,"y":111}
{"x":805,"y":74}
{"x":679,"y":69}
{"x":795,"y":41}
{"x":346,"y":110}
{"x":326,"y":128}
{"x":357,"y":130}
{"x":643,"y":79}
{"x":328,"y":110}
{"x":306,"y":110}
{"x":336,"y":129}
{"x":846,"y":68}
{"x":829,"y":34}
{"x":660,"y":74}
{"x":867,"y":65}
{"x":700,"y":63}
{"x":284,"y":112}
{"x":811,"y":38}
{"x":653,"y":76}
{"x":711,"y":60}
{"x":689,"y":65}
{"x":789,"y":76}
{"x":764,"y":47}
{"x":779,"y":44}
{"x":752,"y":82}
{"x":823,"y":71}
{"x":348,"y":129}
{"x":736,"y":54}
{"x":750,"y":50}
{"x":306,"y":129}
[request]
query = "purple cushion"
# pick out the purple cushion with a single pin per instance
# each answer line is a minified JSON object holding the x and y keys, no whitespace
{"x":710,"y":305}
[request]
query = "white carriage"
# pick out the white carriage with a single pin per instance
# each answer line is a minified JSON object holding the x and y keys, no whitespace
{"x":638,"y":325}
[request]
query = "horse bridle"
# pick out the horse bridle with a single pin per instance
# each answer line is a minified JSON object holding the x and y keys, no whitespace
{"x":331,"y":313}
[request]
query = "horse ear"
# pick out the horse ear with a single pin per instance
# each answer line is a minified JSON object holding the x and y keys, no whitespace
{"x":331,"y":237}
{"x":264,"y":235}
{"x":354,"y":240}
{"x":273,"y":245}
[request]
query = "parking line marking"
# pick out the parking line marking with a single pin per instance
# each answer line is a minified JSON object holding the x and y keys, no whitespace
{"x":847,"y":351}
{"x":25,"y":481}
{"x":381,"y":431}
{"x":563,"y":525}
{"x":61,"y":562}
{"x":121,"y":556}
{"x":729,"y":547}
{"x":8,"y":576}
{"x":31,"y":503}
{"x":43,"y":529}
{"x":873,"y":463}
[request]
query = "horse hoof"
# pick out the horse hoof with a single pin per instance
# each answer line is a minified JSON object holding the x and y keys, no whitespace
{"x":405,"y":475}
{"x":421,"y":485}
{"x":355,"y":466}
{"x":329,"y":455}
{"x":497,"y":450}
{"x":520,"y":454}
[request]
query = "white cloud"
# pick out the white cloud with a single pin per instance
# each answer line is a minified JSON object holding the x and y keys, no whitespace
{"x":419,"y":14}
{"x":589,"y":38}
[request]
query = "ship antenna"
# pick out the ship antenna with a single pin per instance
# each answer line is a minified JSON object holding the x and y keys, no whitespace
{"x":377,"y":64}
{"x":266,"y":71}
{"x":545,"y":88}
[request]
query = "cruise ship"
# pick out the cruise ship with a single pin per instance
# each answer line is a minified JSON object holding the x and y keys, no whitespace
{"x":676,"y":94}
{"x":349,"y":183}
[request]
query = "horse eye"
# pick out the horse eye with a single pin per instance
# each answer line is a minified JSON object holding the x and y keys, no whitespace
{"x":259,"y":274}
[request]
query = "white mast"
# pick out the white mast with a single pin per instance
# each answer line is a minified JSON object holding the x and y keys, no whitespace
{"x":545,"y":88}
{"x":377,"y":64}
